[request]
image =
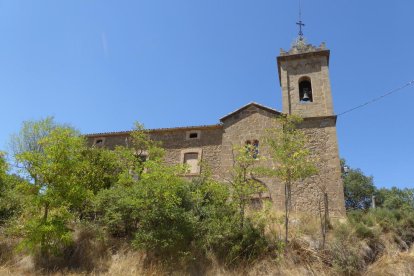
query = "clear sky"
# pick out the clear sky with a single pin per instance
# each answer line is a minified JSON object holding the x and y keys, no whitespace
{"x":101,"y":65}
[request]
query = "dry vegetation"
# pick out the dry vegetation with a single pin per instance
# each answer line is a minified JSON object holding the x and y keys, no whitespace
{"x":349,"y":251}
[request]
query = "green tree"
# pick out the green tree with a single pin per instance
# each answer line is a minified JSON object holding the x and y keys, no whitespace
{"x":395,"y":198}
{"x":54,"y":171}
{"x":15,"y":193}
{"x":27,"y":140}
{"x":151,"y":202}
{"x":244,"y":179}
{"x":288,"y":145}
{"x":65,"y":175}
{"x":358,"y":188}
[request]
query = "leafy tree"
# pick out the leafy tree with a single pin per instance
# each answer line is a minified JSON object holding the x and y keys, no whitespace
{"x":54,"y":170}
{"x":244,"y":181}
{"x":288,"y":149}
{"x":14,"y":193}
{"x":27,"y":140}
{"x":173,"y":218}
{"x":150,"y":201}
{"x":358,"y":189}
{"x":65,"y":175}
{"x":395,"y":198}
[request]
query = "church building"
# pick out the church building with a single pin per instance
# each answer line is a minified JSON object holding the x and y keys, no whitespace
{"x":306,"y":91}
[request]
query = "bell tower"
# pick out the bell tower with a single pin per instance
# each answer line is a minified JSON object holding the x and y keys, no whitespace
{"x":304,"y":79}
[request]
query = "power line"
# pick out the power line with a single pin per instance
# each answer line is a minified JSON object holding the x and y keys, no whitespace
{"x":378,"y":98}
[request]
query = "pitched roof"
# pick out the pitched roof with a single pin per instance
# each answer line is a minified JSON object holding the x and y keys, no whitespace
{"x":117,"y":133}
{"x":268,"y":109}
{"x":126,"y":132}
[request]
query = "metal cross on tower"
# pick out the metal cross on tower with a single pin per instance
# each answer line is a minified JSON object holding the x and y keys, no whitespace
{"x":300,"y":23}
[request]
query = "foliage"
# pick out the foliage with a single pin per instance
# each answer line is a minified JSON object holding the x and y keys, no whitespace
{"x":294,"y":162}
{"x":14,"y":193}
{"x":395,"y":198}
{"x":131,"y":193}
{"x":244,"y":180}
{"x":345,"y":251}
{"x":27,"y":140}
{"x":174,"y":219}
{"x":358,"y":189}
{"x":288,"y":147}
{"x":64,"y":174}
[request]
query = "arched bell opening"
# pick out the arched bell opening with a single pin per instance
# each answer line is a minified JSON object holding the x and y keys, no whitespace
{"x":305,"y":90}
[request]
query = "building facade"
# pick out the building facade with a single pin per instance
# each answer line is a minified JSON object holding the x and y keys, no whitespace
{"x":304,"y":79}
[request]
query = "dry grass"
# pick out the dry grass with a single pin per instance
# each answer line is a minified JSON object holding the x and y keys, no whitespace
{"x":393,"y":264}
{"x":129,"y":263}
{"x":302,"y":256}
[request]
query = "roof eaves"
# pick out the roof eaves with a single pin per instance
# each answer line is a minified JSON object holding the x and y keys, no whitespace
{"x":127,"y":132}
{"x":272,"y":110}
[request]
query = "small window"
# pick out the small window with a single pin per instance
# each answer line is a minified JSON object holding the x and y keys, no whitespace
{"x":255,"y":152}
{"x":192,"y":135}
{"x":142,"y":158}
{"x":256,"y":203}
{"x":252,"y":148}
{"x":305,"y":90}
{"x":191,"y":160}
{"x":99,"y":142}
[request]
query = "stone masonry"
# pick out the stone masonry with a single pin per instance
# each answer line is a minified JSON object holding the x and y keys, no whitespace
{"x":213,"y":144}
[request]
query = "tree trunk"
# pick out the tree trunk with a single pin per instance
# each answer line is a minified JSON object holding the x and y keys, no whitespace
{"x":325,"y":200}
{"x":325,"y":219}
{"x":242,"y":216}
{"x":43,"y":250}
{"x":286,"y":212}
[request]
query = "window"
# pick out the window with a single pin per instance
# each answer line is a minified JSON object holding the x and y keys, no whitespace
{"x":305,"y":90}
{"x":192,"y":135}
{"x":99,"y":142}
{"x":252,"y":148}
{"x":256,"y":203}
{"x":142,"y":158}
{"x":191,"y":158}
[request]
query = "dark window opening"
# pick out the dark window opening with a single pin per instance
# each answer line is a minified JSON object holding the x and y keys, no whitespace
{"x":142,"y":158}
{"x":193,"y":135}
{"x":305,"y":91}
{"x":256,"y":203}
{"x":255,"y":149}
{"x":252,"y":148}
{"x":99,"y":142}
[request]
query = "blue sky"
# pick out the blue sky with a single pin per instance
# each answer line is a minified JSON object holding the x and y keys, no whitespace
{"x":101,"y":65}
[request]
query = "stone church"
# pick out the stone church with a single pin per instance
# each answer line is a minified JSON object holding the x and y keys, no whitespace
{"x":304,"y":79}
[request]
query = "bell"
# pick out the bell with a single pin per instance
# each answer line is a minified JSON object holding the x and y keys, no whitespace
{"x":305,"y":97}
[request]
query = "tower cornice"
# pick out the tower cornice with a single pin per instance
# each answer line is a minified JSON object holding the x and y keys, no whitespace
{"x":294,"y":54}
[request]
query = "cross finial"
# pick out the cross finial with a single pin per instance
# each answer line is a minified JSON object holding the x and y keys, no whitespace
{"x":300,"y":23}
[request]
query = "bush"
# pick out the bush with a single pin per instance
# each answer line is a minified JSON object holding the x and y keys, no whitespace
{"x":88,"y":252}
{"x":345,"y":251}
{"x":363,"y":231}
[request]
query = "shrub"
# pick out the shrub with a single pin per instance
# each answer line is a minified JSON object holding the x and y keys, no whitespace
{"x":345,"y":250}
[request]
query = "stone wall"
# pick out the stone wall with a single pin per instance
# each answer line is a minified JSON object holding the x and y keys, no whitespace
{"x":314,"y":67}
{"x":175,"y":142}
{"x":321,"y":132}
{"x":216,"y":145}
{"x":250,"y":124}
{"x":253,"y":122}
